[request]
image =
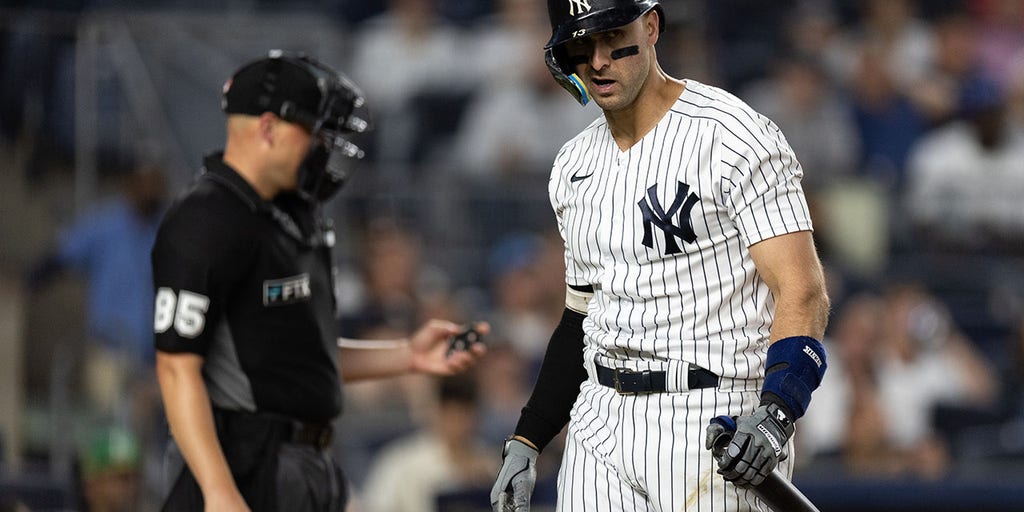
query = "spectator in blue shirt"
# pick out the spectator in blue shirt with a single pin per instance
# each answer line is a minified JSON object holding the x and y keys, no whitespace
{"x":109,"y":248}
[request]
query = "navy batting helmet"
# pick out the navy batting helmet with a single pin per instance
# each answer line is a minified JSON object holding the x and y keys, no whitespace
{"x":577,"y":18}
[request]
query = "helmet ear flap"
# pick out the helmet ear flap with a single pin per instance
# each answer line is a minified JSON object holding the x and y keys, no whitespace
{"x":569,"y":81}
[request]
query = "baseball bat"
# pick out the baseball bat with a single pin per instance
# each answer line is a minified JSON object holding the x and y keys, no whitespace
{"x":782,"y":496}
{"x":776,"y":491}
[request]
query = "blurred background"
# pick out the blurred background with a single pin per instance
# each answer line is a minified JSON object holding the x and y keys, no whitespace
{"x":907,"y":116}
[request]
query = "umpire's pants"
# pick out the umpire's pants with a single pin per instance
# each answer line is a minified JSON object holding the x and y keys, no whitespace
{"x":300,"y":478}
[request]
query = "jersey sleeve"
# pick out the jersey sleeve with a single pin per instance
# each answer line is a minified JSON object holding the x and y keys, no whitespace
{"x":189,"y":277}
{"x":761,"y":181}
{"x":557,"y":188}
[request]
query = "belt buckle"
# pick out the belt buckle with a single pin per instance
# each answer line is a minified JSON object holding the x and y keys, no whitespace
{"x":618,"y":382}
{"x":323,"y":437}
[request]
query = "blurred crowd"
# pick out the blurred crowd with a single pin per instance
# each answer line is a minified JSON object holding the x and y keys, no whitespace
{"x":907,"y":117}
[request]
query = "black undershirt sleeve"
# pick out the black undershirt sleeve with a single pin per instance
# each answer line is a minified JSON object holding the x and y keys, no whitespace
{"x":558,"y":383}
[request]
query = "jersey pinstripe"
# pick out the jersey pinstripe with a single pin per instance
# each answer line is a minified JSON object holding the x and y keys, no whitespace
{"x":661,"y":231}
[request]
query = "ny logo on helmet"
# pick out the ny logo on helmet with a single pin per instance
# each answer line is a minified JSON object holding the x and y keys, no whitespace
{"x":578,"y":7}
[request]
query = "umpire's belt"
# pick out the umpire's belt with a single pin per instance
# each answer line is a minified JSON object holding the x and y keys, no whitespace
{"x":318,"y":435}
{"x":635,"y":382}
{"x":282,"y":428}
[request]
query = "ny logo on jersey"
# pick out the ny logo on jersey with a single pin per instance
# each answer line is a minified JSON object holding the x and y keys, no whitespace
{"x":657,"y":216}
{"x":578,"y":7}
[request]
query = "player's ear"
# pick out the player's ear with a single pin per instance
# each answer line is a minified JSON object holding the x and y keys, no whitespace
{"x":652,"y":26}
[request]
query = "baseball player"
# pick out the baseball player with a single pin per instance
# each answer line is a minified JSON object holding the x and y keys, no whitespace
{"x":248,"y":359}
{"x":693,"y":286}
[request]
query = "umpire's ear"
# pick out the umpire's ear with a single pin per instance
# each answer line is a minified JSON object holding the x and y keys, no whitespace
{"x":266,"y":123}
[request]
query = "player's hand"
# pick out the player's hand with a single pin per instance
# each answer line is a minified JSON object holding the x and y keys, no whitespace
{"x":719,"y":433}
{"x":429,"y":348}
{"x":518,"y":475}
{"x":757,"y":446}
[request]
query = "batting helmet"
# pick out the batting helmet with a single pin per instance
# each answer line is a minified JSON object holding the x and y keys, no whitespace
{"x":302,"y":90}
{"x":577,"y":18}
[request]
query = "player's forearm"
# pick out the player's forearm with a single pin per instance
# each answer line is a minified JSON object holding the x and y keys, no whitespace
{"x":789,"y":265}
{"x":190,"y":418}
{"x":558,"y":383}
{"x":800,"y":310}
{"x":795,"y":347}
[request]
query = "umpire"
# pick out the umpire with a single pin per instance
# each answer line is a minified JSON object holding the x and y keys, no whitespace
{"x":248,"y":357}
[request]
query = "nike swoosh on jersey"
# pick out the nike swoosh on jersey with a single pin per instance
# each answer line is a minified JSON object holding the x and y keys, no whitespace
{"x":576,"y":177}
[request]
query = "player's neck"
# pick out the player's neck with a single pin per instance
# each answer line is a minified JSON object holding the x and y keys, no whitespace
{"x":632,"y":123}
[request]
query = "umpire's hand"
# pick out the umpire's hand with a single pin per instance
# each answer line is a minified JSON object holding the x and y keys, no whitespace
{"x":429,"y":349}
{"x":757,"y":446}
{"x":514,"y":486}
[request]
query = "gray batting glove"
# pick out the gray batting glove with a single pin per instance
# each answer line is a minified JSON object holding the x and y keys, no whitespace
{"x":514,"y":486}
{"x":757,"y":447}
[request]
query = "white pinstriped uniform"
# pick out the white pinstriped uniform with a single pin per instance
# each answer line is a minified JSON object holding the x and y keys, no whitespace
{"x":653,"y":310}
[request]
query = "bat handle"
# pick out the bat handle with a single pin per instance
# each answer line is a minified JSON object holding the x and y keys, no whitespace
{"x":782,"y":496}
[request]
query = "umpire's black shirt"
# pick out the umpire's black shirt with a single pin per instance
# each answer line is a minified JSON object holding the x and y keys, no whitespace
{"x":247,"y":284}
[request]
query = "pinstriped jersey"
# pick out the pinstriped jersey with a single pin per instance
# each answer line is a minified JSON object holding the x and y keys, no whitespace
{"x":662,"y":230}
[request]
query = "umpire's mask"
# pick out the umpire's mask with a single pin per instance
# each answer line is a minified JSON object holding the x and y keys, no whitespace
{"x":304,"y":91}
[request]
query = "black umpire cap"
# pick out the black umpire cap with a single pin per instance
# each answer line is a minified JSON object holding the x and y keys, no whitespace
{"x":278,"y":84}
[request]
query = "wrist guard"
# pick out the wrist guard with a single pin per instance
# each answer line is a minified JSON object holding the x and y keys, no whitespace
{"x":796,"y":366}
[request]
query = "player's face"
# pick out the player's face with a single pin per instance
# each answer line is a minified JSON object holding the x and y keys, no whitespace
{"x":613,"y":74}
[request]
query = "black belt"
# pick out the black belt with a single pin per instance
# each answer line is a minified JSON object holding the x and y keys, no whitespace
{"x":633,"y":382}
{"x":313,"y":433}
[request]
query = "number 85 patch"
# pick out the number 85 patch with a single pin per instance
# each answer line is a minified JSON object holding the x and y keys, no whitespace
{"x":186,"y":311}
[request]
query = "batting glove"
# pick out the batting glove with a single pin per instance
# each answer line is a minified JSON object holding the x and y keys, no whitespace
{"x":757,"y":446}
{"x":518,"y":475}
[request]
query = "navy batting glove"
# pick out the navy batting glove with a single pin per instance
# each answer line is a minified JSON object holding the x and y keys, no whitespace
{"x":518,"y":475}
{"x":757,"y":446}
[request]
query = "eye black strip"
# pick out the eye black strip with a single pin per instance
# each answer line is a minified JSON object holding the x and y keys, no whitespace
{"x":625,"y":52}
